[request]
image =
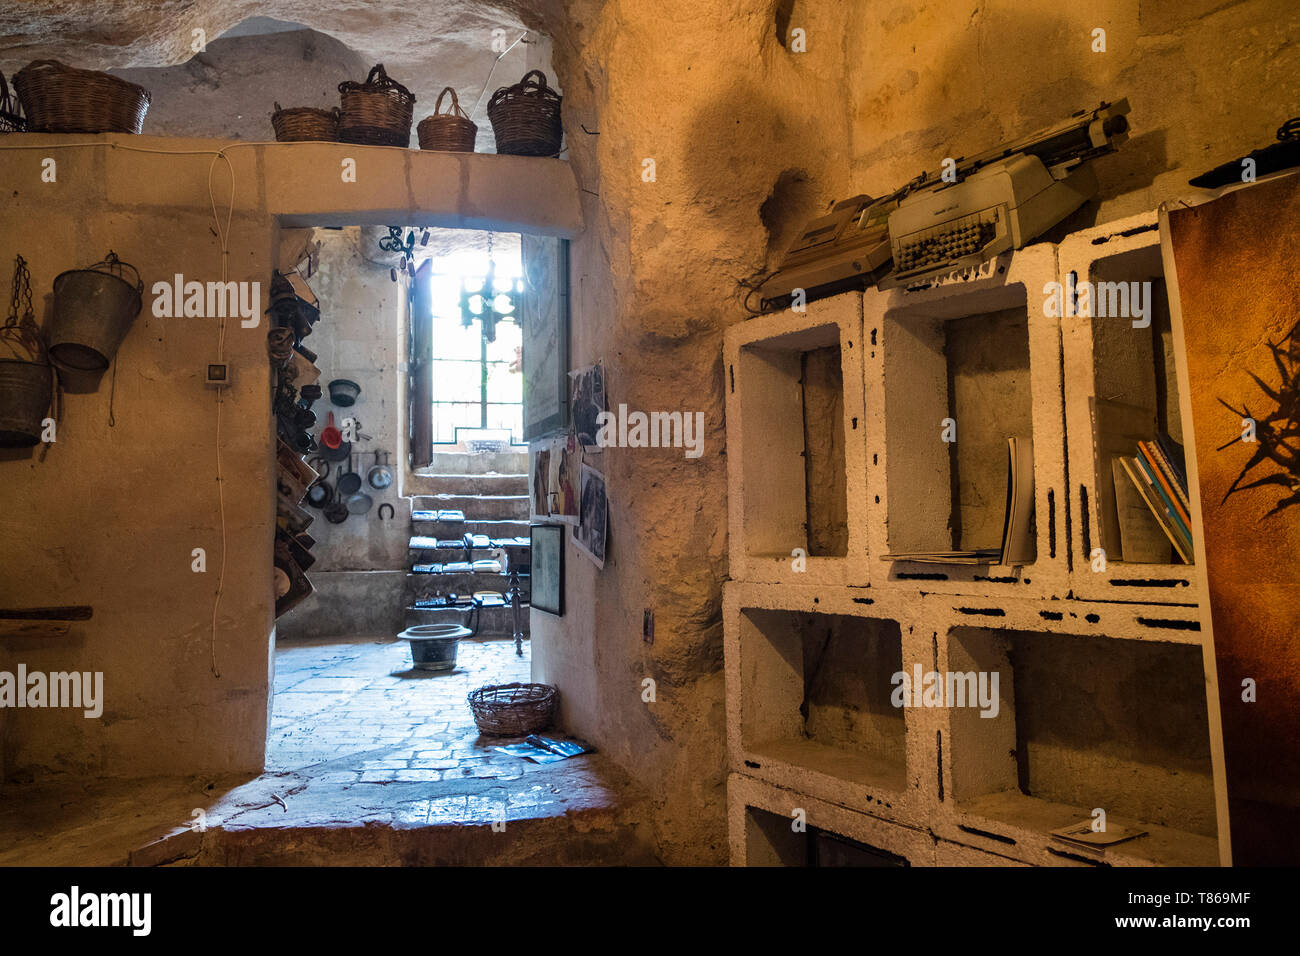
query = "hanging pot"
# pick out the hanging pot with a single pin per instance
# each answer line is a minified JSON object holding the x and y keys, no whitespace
{"x":380,"y":476}
{"x":25,"y":390}
{"x":349,"y":482}
{"x":336,"y":512}
{"x":359,"y":503}
{"x":344,"y":392}
{"x":93,"y":309}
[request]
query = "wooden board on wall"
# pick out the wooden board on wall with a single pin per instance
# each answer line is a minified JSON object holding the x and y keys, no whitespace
{"x":545,"y":315}
{"x":1234,"y":262}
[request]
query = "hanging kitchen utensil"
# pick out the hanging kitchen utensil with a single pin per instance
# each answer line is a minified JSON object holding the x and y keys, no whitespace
{"x":359,"y":503}
{"x":336,"y":512}
{"x":380,"y":476}
{"x":344,"y":392}
{"x":321,"y":492}
{"x":93,"y":309}
{"x":330,"y":436}
{"x":26,"y":378}
{"x":349,"y":482}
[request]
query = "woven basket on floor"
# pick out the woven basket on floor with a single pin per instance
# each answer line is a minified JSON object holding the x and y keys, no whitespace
{"x":513,"y":710}
{"x":526,"y":117}
{"x":453,"y":131}
{"x":376,"y":112}
{"x":11,"y":120}
{"x":63,"y":99}
{"x":302,"y":124}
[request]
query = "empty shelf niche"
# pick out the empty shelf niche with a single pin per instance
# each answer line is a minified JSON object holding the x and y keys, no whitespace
{"x":771,"y":840}
{"x":792,"y":406}
{"x":815,"y":694}
{"x":1085,"y":723}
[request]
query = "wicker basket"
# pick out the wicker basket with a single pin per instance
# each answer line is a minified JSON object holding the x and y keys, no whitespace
{"x":526,"y":117}
{"x":376,"y":112}
{"x":513,"y":710}
{"x":452,"y":131}
{"x":63,"y":99}
{"x":11,"y":119}
{"x":302,"y":124}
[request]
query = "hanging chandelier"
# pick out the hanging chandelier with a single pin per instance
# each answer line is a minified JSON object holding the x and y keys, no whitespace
{"x":495,"y":299}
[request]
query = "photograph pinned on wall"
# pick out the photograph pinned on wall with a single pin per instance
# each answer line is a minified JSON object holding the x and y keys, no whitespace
{"x":542,"y":483}
{"x":566,"y":459}
{"x":589,"y":536}
{"x":587,"y":401}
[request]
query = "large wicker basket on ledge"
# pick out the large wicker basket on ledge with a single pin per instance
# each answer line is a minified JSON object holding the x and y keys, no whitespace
{"x":513,"y":710}
{"x":376,"y":112}
{"x":63,"y":99}
{"x":526,"y":117}
{"x":452,"y":131}
{"x":303,"y":124}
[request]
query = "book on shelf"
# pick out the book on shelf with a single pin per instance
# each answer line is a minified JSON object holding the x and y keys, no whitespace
{"x":1157,"y":487}
{"x":1018,"y":543}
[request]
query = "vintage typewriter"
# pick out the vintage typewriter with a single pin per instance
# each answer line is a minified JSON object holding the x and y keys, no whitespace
{"x":848,"y":248}
{"x":993,"y":202}
{"x":1002,"y":199}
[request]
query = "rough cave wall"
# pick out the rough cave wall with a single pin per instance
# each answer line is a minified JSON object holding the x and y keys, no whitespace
{"x":750,"y":137}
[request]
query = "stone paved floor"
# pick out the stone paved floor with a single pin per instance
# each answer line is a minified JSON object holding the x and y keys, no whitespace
{"x":368,"y":761}
{"x":362,"y":709}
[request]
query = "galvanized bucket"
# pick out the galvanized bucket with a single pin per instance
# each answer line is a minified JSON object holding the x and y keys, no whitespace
{"x":93,"y":309}
{"x":25,"y":390}
{"x":433,"y":646}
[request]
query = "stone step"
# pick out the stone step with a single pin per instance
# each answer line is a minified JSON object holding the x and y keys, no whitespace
{"x":420,"y":584}
{"x":513,"y":547}
{"x":489,"y":484}
{"x":474,"y":507}
{"x":493,"y":621}
{"x":492,"y":527}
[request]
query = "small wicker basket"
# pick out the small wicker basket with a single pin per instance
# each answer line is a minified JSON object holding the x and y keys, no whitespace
{"x":376,"y":112}
{"x":513,"y":710}
{"x":11,"y":119}
{"x":63,"y":99}
{"x":526,"y":117}
{"x":304,"y":124}
{"x":453,"y":131}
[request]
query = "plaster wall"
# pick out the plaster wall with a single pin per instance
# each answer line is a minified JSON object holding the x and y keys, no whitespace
{"x":112,"y":516}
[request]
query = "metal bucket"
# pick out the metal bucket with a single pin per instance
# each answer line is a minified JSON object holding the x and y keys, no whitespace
{"x":25,"y":390}
{"x":433,"y":646}
{"x":93,"y":309}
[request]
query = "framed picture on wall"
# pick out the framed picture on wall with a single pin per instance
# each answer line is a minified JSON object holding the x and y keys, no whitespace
{"x":544,"y":314}
{"x":548,"y":568}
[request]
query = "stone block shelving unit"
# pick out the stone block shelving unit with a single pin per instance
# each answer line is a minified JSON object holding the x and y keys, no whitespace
{"x":1101,"y":699}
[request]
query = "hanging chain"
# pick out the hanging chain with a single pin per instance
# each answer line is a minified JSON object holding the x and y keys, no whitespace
{"x":21,"y":296}
{"x":20,"y":327}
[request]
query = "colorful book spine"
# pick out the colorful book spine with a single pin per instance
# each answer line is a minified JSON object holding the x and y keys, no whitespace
{"x":1154,"y":500}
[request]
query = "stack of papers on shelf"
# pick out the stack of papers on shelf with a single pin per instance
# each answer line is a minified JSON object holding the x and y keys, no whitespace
{"x":979,"y":556}
{"x":1018,"y":544}
{"x":1083,"y":835}
{"x":449,"y":515}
